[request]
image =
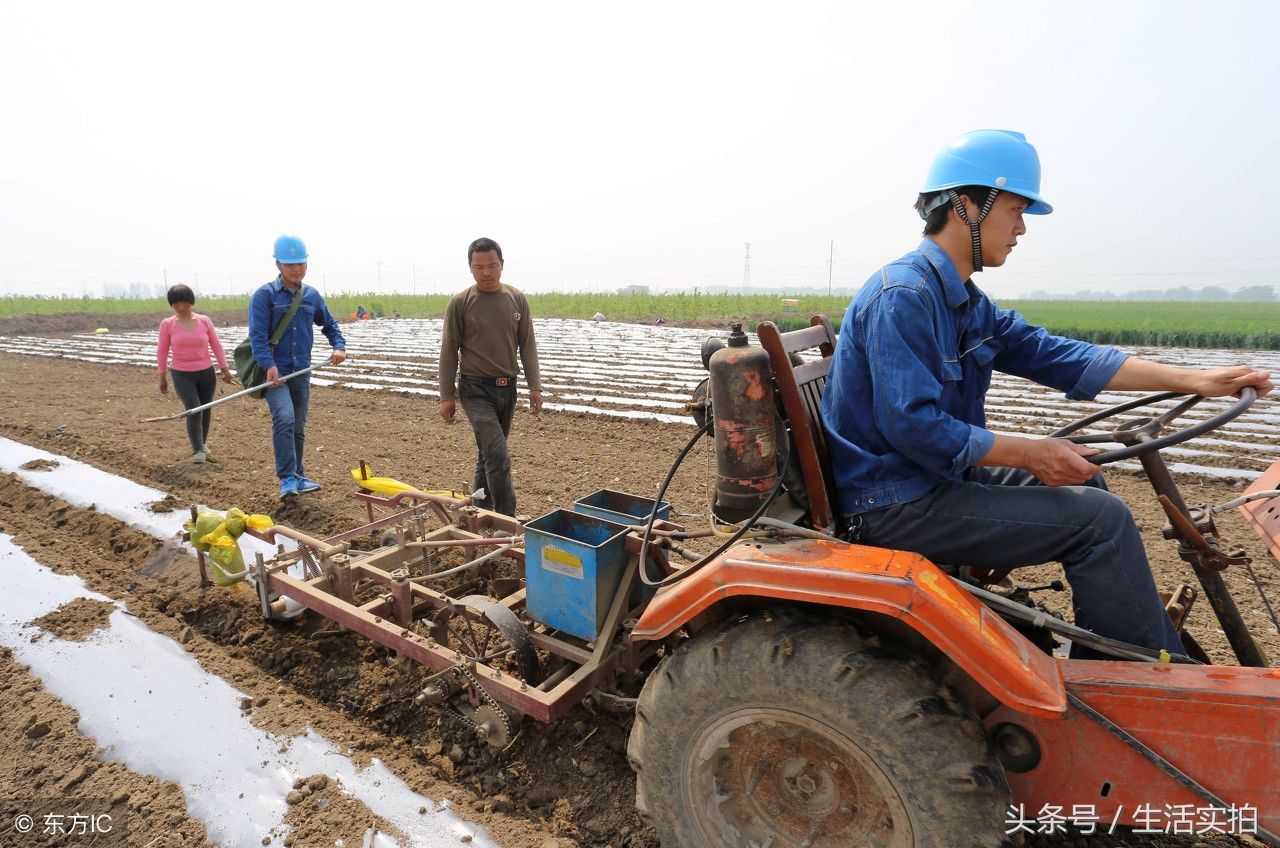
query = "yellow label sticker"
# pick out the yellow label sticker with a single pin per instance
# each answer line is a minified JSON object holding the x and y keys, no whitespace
{"x":561,"y":562}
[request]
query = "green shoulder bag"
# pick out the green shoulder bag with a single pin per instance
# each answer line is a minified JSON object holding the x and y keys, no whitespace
{"x":248,"y":370}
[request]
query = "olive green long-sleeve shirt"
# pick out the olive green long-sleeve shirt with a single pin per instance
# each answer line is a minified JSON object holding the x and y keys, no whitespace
{"x":483,"y":333}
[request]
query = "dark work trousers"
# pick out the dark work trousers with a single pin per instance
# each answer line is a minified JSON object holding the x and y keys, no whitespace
{"x":195,"y":388}
{"x":1003,"y":518}
{"x":490,"y":409}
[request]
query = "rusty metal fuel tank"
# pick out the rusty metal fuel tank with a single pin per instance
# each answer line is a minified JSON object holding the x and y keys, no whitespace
{"x":745,"y":426}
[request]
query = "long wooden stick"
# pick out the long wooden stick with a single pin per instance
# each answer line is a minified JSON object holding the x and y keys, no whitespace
{"x":258,"y":388}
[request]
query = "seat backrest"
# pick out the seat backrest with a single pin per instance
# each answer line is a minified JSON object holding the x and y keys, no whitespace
{"x":800,"y":388}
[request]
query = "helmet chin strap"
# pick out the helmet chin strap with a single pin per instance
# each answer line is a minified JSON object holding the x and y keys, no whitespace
{"x":958,"y":205}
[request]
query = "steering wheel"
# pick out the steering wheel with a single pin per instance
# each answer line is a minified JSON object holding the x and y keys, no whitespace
{"x":1142,"y":435}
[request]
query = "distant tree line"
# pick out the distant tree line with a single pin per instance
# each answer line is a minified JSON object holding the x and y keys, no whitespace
{"x":1250,"y":294}
{"x":134,"y":291}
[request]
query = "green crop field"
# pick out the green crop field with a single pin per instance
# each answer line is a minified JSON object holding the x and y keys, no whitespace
{"x":1165,"y":323}
{"x":12,"y":306}
{"x":682,"y":307}
{"x":1168,"y":323}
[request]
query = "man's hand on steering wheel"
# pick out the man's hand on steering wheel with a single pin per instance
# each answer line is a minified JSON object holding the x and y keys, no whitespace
{"x":1058,"y":462}
{"x":1054,"y":462}
{"x":1218,"y":382}
{"x":1142,"y":436}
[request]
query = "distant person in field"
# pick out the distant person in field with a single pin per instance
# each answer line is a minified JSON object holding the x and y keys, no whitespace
{"x":190,"y":336}
{"x":487,"y":328}
{"x":916,"y":467}
{"x":360,"y":313}
{"x":288,"y":401}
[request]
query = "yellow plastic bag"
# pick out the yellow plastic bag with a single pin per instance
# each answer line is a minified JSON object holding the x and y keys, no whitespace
{"x":389,"y":486}
{"x":215,"y":534}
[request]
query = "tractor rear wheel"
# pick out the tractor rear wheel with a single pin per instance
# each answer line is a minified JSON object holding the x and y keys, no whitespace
{"x":787,"y":730}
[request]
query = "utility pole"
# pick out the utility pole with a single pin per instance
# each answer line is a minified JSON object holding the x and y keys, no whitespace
{"x":831,"y":262}
{"x":166,"y":277}
{"x":324,"y":282}
{"x":415,"y":279}
{"x":746,"y":268}
{"x":379,"y":278}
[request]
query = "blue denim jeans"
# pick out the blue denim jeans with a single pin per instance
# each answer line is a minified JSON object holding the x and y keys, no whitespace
{"x":1004,"y":518}
{"x":288,"y":404}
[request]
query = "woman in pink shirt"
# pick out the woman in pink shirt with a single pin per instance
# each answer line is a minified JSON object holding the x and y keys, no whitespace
{"x":190,"y":336}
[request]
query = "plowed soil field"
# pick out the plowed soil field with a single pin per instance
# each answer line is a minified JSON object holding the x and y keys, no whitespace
{"x":560,"y":785}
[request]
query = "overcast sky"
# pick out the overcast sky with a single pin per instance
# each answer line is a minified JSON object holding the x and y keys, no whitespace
{"x":605,"y":144}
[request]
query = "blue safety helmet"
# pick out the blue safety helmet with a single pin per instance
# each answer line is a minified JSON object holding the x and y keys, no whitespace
{"x":290,"y":250}
{"x":999,"y":159}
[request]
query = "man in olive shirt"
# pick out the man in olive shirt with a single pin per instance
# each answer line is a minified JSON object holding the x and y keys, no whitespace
{"x":484,"y":329}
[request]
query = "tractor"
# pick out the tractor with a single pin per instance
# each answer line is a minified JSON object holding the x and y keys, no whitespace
{"x":791,"y":689}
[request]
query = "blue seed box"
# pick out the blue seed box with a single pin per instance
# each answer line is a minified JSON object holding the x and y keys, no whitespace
{"x":620,"y":507}
{"x":624,"y":509}
{"x":573,"y":563}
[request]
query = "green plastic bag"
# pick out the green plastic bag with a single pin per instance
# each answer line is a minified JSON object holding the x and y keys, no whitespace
{"x":248,"y":371}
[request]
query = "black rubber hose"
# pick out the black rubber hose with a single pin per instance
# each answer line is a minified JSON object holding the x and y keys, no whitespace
{"x":657,"y":502}
{"x":728,"y":543}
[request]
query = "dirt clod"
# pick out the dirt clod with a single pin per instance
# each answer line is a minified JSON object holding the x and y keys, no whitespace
{"x":77,"y":619}
{"x":166,"y":504}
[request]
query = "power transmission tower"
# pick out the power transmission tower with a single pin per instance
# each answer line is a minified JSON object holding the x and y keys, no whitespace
{"x":746,"y":268}
{"x":831,"y":262}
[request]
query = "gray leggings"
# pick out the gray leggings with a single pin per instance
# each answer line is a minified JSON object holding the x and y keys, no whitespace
{"x":195,"y":388}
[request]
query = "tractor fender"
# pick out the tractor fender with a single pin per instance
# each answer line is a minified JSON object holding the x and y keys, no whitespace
{"x":898,"y":584}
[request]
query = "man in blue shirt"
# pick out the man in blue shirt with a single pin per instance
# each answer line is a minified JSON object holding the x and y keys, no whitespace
{"x":288,"y":401}
{"x":916,"y":468}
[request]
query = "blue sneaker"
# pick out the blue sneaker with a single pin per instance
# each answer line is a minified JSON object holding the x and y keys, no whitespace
{"x":304,"y":485}
{"x":288,"y":487}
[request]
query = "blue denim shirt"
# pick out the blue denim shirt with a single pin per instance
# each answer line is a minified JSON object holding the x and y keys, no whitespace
{"x":267,"y":309}
{"x":904,"y":401}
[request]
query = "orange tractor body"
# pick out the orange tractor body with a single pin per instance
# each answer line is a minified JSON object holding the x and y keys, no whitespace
{"x":1219,"y":724}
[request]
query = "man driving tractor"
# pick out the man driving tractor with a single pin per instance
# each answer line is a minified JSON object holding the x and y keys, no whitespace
{"x":914,"y":464}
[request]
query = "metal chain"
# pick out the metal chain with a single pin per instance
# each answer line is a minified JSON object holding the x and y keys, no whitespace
{"x":492,"y":702}
{"x":1257,"y":584}
{"x":457,"y":715}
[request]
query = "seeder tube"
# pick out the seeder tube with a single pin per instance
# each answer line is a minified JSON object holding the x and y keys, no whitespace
{"x":427,"y":578}
{"x":1244,"y":499}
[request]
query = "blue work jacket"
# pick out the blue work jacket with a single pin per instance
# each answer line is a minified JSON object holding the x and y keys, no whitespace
{"x":904,"y":405}
{"x":267,"y":309}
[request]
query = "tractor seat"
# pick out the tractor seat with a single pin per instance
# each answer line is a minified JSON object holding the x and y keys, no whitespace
{"x":799,"y":384}
{"x":799,"y":388}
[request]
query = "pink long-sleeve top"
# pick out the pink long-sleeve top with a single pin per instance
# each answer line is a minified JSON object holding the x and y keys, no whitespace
{"x":190,"y":347}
